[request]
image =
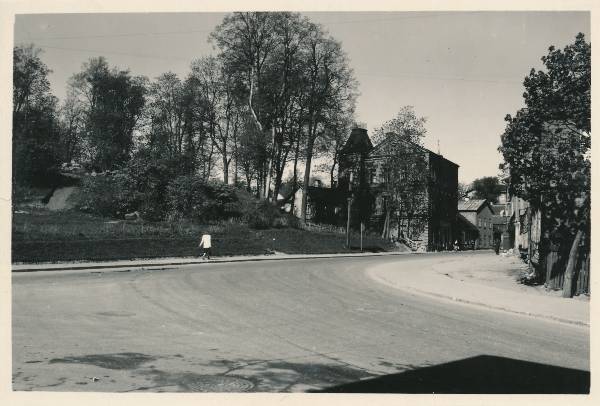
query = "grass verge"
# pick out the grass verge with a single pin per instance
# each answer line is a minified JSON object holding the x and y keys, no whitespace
{"x":45,"y":236}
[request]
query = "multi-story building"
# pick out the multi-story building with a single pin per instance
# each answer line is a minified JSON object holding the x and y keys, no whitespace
{"x":430,"y":224}
{"x":479,"y":212}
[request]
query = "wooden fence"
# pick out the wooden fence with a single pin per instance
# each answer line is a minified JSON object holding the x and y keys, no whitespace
{"x":555,"y":263}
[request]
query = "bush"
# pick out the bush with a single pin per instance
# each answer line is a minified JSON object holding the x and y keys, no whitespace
{"x":191,"y":197}
{"x":110,"y":196}
{"x":262,"y":215}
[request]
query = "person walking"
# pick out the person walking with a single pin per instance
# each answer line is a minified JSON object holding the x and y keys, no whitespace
{"x":205,"y":244}
{"x":497,"y":246}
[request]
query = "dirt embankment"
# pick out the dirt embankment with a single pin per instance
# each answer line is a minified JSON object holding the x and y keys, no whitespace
{"x":60,"y":198}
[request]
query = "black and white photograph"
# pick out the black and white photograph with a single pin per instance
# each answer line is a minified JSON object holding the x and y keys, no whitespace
{"x":320,"y":201}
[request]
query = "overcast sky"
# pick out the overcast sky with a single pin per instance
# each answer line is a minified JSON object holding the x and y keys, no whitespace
{"x":461,"y":70}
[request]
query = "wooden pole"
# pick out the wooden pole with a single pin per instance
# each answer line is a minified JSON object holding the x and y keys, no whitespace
{"x":349,"y":209}
{"x":362,"y":227}
{"x":348,"y":224}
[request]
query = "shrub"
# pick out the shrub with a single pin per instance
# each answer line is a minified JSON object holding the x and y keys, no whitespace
{"x":190,"y":197}
{"x":111,"y":196}
{"x":264,"y":214}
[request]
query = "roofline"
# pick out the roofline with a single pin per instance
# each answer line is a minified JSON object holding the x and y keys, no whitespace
{"x":422,"y":148}
{"x":486,"y":202}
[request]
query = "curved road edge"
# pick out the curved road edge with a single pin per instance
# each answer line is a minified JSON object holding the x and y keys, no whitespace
{"x":425,"y":278}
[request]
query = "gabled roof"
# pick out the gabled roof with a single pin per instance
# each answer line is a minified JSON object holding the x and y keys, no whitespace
{"x":389,"y":137}
{"x":464,"y":222}
{"x":474,"y":205}
{"x":358,"y":141}
{"x":379,"y":149}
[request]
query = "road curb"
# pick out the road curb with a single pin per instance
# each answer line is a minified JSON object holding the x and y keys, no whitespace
{"x":498,"y":308}
{"x":134,"y":264}
{"x":419,"y":291}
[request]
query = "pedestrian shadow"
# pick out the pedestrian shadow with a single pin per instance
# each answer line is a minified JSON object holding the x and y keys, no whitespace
{"x":477,"y":375}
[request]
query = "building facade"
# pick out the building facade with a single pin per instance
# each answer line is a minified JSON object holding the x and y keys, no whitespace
{"x":479,"y":213}
{"x":427,"y":218}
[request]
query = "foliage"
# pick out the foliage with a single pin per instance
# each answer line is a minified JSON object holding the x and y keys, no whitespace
{"x":113,"y":102}
{"x":546,"y":144}
{"x":109,"y":196}
{"x":35,"y":124}
{"x":293,"y":79}
{"x":190,"y":197}
{"x":488,"y":187}
{"x":462,"y":190}
{"x":407,"y":125}
{"x":404,"y":170}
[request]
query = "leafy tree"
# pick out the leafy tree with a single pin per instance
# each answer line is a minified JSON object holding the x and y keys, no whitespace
{"x":404,"y":172}
{"x":222,"y":109}
{"x":292,"y":77}
{"x":72,"y":119}
{"x":36,"y":131}
{"x":546,"y":145}
{"x":463,"y":190}
{"x":336,"y":130}
{"x":488,"y":187}
{"x":246,"y":42}
{"x":113,"y":104}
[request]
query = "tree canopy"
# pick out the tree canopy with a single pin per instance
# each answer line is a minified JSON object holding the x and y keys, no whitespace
{"x":546,"y":146}
{"x":488,"y":187}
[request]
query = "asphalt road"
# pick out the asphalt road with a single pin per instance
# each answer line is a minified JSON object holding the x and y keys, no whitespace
{"x":272,"y":326}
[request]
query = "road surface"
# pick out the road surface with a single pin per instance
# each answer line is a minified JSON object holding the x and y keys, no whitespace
{"x":277,"y":326}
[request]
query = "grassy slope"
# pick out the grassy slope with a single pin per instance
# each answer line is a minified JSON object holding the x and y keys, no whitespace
{"x":44,"y":236}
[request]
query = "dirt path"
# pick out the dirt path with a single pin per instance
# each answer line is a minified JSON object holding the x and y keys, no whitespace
{"x":59,"y":199}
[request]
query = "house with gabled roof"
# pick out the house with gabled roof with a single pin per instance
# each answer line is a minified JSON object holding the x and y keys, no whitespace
{"x":479,"y":213}
{"x":432,"y":226}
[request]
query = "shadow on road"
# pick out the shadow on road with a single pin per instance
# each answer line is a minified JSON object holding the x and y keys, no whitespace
{"x":481,"y":374}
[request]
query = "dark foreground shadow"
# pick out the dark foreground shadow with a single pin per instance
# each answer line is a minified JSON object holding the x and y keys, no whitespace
{"x":481,"y":374}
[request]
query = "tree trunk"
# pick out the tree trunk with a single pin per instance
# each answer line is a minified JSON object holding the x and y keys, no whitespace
{"x":295,"y":177}
{"x":571,"y":264}
{"x":386,"y":224}
{"x":529,"y":245}
{"x":309,"y":152}
{"x":225,"y":168}
{"x":331,"y":172}
{"x":270,"y":165}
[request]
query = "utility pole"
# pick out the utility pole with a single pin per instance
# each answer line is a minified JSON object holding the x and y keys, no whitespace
{"x":529,"y":242}
{"x":362,"y":229}
{"x":349,"y":209}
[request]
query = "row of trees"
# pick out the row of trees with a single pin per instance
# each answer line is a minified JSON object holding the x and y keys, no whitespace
{"x":278,"y":93}
{"x":546,"y":146}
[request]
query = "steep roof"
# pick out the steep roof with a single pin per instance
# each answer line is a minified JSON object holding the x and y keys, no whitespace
{"x":474,"y":205}
{"x":358,"y":141}
{"x":379,"y":149}
{"x":464,"y":222}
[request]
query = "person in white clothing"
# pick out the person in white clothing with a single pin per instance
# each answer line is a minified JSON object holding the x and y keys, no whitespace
{"x":205,"y":245}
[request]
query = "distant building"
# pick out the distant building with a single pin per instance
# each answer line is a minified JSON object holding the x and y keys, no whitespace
{"x":479,"y":213}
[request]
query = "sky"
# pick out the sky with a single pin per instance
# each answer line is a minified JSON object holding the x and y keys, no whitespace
{"x":463,"y":71}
